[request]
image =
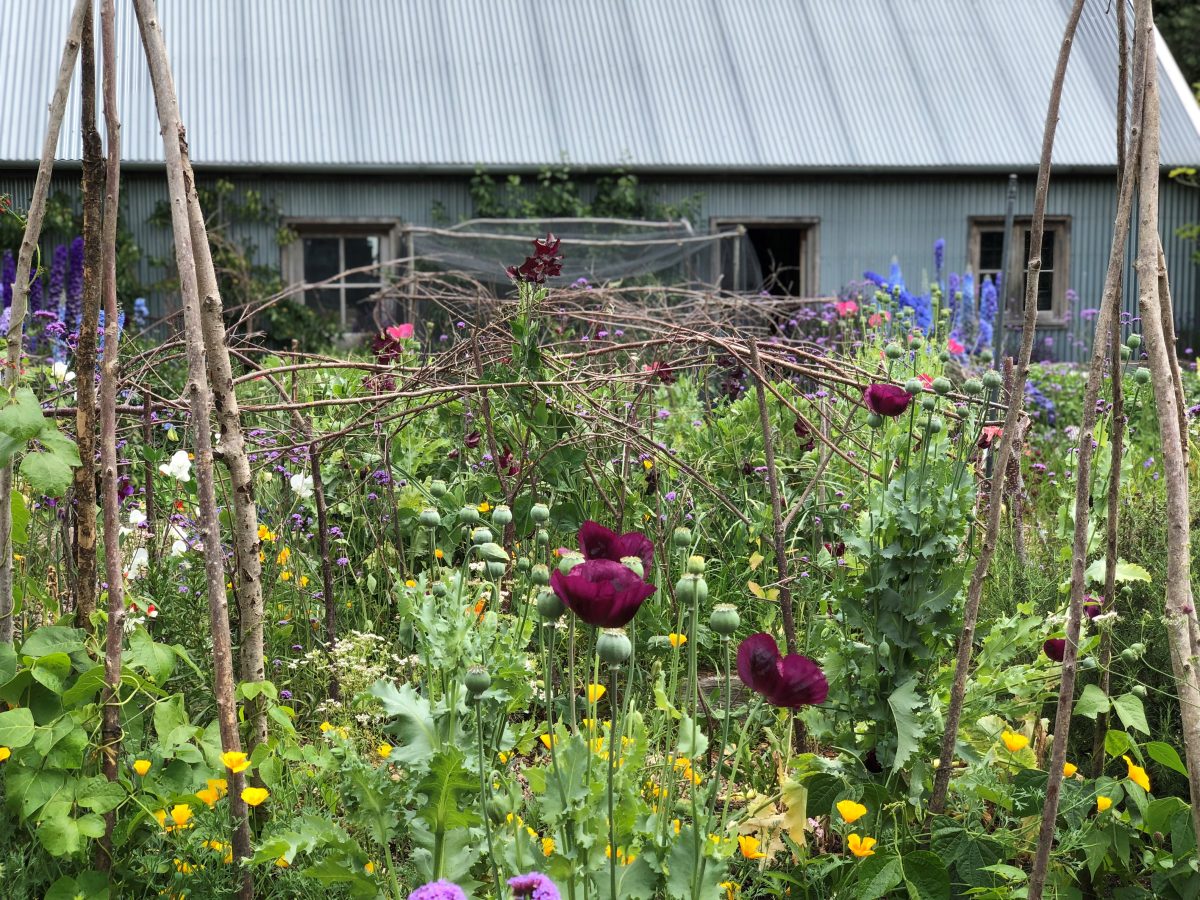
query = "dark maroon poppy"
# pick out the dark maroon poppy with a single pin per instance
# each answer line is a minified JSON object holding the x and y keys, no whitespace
{"x":661,"y":371}
{"x":1093,"y":606}
{"x":886,"y":399}
{"x":790,"y":681}
{"x":601,"y":592}
{"x":837,"y":550}
{"x":989,"y":435}
{"x":1055,"y":648}
{"x":807,"y":440}
{"x":472,"y":440}
{"x":598,"y":542}
{"x":546,"y":262}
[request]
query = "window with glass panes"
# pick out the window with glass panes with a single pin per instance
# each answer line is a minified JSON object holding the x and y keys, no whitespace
{"x":987,"y":259}
{"x":323,"y":251}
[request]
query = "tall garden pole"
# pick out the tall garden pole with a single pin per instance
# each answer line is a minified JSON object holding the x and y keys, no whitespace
{"x":201,"y":410}
{"x":110,"y":728}
{"x":1016,"y":403}
{"x":85,"y":346}
{"x":1183,"y":630}
{"x":20,"y":297}
{"x":1109,"y":310}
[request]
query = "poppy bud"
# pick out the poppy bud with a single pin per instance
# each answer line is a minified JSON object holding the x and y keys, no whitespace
{"x":682,"y":537}
{"x":501,"y":516}
{"x":569,"y":560}
{"x":985,"y":356}
{"x":695,"y":565}
{"x":634,"y":564}
{"x":468,"y":515}
{"x":1141,"y":376}
{"x":540,"y":575}
{"x":913,"y":386}
{"x":481,"y":535}
{"x":478,"y":680}
{"x":613,"y":646}
{"x":540,"y":513}
{"x":944,"y":356}
{"x":916,"y":343}
{"x":1139,"y":690}
{"x":893,"y":351}
{"x":929,"y":403}
{"x":942,"y":385}
{"x":542,"y":537}
{"x":1133,"y":341}
{"x":430,"y":518}
{"x":1126,"y":353}
{"x":972,"y":387}
{"x":438,"y":488}
{"x":549,"y":607}
{"x":874,"y":420}
{"x":724,"y":619}
{"x":992,"y":380}
{"x":498,"y":809}
{"x":439,"y":589}
{"x":524,"y":564}
{"x":495,"y":569}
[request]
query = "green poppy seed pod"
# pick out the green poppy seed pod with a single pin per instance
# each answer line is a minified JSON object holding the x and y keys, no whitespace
{"x":542,"y":537}
{"x":893,"y":351}
{"x":569,"y":560}
{"x":540,"y":513}
{"x":724,"y":619}
{"x":874,"y":420}
{"x":540,"y":575}
{"x":929,"y":403}
{"x":430,"y":518}
{"x":1133,"y":341}
{"x":695,"y":565}
{"x":438,"y":488}
{"x":481,"y":535}
{"x":1126,"y":353}
{"x":934,"y":424}
{"x":972,"y":387}
{"x":613,"y":646}
{"x":501,"y":516}
{"x":468,"y":515}
{"x":634,"y":564}
{"x":985,"y":356}
{"x":524,"y":564}
{"x":1141,"y":376}
{"x":549,"y":607}
{"x":913,"y":386}
{"x":992,"y":380}
{"x":682,"y":537}
{"x":439,"y":589}
{"x":944,"y":356}
{"x":969,"y":515}
{"x":498,"y":809}
{"x":691,"y":589}
{"x":478,"y":680}
{"x":942,"y":385}
{"x":495,"y":569}
{"x":916,"y":343}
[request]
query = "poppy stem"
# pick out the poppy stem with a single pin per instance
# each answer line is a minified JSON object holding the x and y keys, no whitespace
{"x":614,"y":747}
{"x":483,"y":795}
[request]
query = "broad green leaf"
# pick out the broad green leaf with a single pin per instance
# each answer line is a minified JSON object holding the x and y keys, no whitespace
{"x":1117,"y":742}
{"x":637,"y":881}
{"x":20,"y":518}
{"x":1165,"y":755}
{"x":8,"y":663}
{"x":46,"y":473}
{"x":169,"y":715}
{"x":692,"y":739}
{"x":1132,"y":714}
{"x":681,"y":868}
{"x":85,"y":688}
{"x":1159,"y":812}
{"x":445,"y":787}
{"x":16,"y":728}
{"x":52,"y":670}
{"x":904,"y":703}
{"x":925,"y":876}
{"x":878,"y":875}
{"x":156,"y":660}
{"x":53,"y":639}
{"x":57,"y":831}
{"x":88,"y":886}
{"x":1126,"y":571}
{"x":823,"y":791}
{"x":22,"y":418}
{"x":30,"y":789}
{"x":1091,"y":702}
{"x":412,"y":723}
{"x":60,"y":445}
{"x":99,"y":794}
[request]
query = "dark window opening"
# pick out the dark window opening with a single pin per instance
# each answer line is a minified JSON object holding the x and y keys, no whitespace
{"x":782,"y":264}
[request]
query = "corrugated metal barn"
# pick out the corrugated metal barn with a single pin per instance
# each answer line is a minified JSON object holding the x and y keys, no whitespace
{"x":842,"y":133}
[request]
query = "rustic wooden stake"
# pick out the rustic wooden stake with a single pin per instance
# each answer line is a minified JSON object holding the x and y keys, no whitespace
{"x":20,"y":298}
{"x":1016,"y":403}
{"x":201,"y":410}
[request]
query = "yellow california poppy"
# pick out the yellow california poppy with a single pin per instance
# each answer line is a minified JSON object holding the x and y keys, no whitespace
{"x":1014,"y":741}
{"x":141,"y":766}
{"x":595,"y":692}
{"x":748,"y":844}
{"x":235,"y":761}
{"x":1137,"y":774}
{"x":850,"y":811}
{"x":1069,"y":770}
{"x":677,"y":640}
{"x":1103,"y":804}
{"x":384,"y":750}
{"x":255,"y":795}
{"x":861,"y":847}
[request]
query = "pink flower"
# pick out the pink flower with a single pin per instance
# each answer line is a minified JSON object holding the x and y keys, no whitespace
{"x":926,"y":380}
{"x":400,"y":332}
{"x":879,"y":318}
{"x":846,"y":308}
{"x":954,"y":346}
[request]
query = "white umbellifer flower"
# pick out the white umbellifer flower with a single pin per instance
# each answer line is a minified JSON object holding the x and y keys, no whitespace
{"x":138,"y":564}
{"x":179,"y":468}
{"x":60,"y":373}
{"x":302,"y":485}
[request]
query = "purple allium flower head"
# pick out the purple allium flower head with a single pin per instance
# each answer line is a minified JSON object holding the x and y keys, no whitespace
{"x":438,"y":890}
{"x":535,"y":886}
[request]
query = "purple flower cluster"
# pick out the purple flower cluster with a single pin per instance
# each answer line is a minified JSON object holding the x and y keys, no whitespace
{"x":438,"y":890}
{"x":535,"y":886}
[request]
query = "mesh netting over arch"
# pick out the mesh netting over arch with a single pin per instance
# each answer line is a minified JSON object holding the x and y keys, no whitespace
{"x":599,"y":250}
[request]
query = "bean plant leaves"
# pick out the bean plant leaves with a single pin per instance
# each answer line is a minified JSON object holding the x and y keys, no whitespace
{"x":46,"y":473}
{"x":1165,"y":755}
{"x":22,"y":418}
{"x":1091,"y":702}
{"x":925,"y":876}
{"x":1132,"y":714}
{"x":16,"y":728}
{"x":878,"y":875}
{"x":53,"y":639}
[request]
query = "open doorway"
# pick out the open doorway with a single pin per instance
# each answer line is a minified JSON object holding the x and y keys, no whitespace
{"x":785,"y":251}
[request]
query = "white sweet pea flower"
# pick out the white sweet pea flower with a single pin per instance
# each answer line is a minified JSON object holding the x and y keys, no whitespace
{"x":179,"y":468}
{"x":138,"y":564}
{"x":178,"y":548}
{"x":302,"y":485}
{"x":136,"y":517}
{"x":61,"y":374}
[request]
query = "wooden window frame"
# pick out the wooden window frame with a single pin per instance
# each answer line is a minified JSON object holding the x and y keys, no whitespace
{"x":810,"y":256}
{"x":1057,"y":315}
{"x":388,"y":230}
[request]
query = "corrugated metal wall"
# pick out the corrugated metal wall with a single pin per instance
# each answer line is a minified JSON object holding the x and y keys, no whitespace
{"x":863,"y":222}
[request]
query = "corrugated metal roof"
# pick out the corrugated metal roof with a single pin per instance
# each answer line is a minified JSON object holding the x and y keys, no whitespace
{"x":685,"y":85}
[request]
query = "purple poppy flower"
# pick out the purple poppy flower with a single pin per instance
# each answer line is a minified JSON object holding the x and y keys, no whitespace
{"x":789,"y":681}
{"x":438,"y":890}
{"x":602,"y":592}
{"x":598,"y":542}
{"x":535,"y":886}
{"x":886,"y":399}
{"x":1055,"y":648}
{"x":807,"y":440}
{"x":1093,"y":606}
